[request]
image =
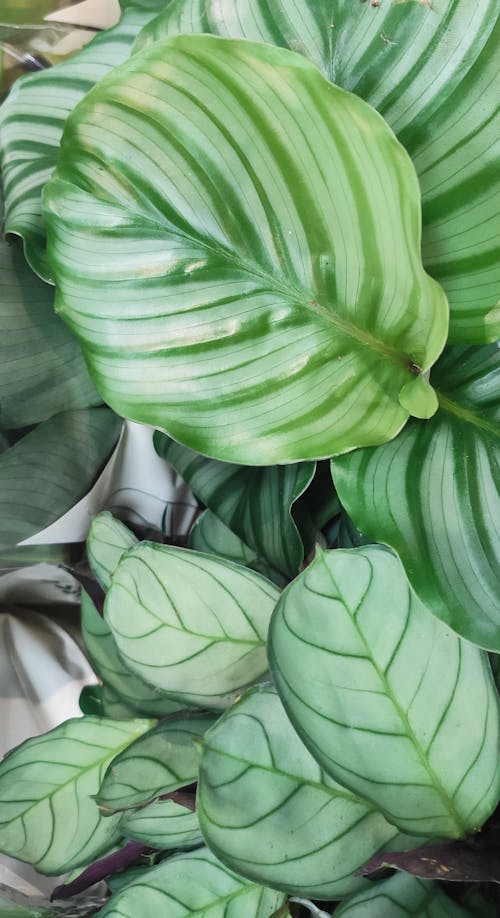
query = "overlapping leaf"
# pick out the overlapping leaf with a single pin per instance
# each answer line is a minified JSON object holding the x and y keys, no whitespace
{"x":47,"y":816}
{"x":163,"y":760}
{"x":431,"y":70}
{"x":433,"y":495}
{"x":255,"y":503}
{"x":400,"y":896}
{"x":271,"y":813}
{"x":256,"y":308}
{"x":395,"y":706}
{"x":164,"y":825}
{"x":107,"y":541}
{"x":192,"y":884}
{"x":190,"y":624}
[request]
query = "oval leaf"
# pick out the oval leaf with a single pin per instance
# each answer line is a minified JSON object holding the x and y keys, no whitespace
{"x":269,"y":811}
{"x":398,"y":896}
{"x":107,"y":541}
{"x":256,"y":307}
{"x":159,"y":762}
{"x":190,"y":624}
{"x":47,"y":816}
{"x":164,"y":825}
{"x":433,"y":495}
{"x":389,"y":701}
{"x":192,"y":884}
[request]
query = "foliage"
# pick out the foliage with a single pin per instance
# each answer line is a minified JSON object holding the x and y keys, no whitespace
{"x":271,"y":232}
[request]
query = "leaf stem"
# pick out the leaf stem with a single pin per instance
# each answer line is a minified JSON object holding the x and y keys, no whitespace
{"x":101,"y":869}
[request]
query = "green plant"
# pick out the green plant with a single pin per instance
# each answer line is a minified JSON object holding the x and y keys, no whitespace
{"x":259,"y":264}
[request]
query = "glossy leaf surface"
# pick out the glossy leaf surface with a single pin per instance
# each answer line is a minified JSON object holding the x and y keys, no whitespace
{"x":255,"y":503}
{"x":164,"y":825}
{"x":430,"y":68}
{"x":401,"y":896}
{"x":395,"y":706}
{"x":193,"y":884}
{"x":256,"y":308}
{"x":51,"y":468}
{"x":107,"y":541}
{"x":271,"y":813}
{"x":190,"y":624}
{"x":103,"y":654}
{"x":433,"y":495}
{"x":47,"y":816}
{"x":159,"y":762}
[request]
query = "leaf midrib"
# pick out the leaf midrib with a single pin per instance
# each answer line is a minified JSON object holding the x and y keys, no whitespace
{"x":467,"y":415}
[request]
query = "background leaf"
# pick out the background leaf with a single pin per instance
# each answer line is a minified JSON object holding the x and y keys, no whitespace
{"x":398,"y":896}
{"x":430,"y":69}
{"x":433,"y":495}
{"x":190,"y":624}
{"x":47,"y":816}
{"x":268,"y":810}
{"x":163,"y":824}
{"x":107,"y":541}
{"x":395,"y":706}
{"x":226,"y":323}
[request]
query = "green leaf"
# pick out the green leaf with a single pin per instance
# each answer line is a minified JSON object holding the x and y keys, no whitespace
{"x":164,"y":825}
{"x":102,"y":701}
{"x":257,"y":308}
{"x":394,"y":706}
{"x":32,"y":120}
{"x":401,"y":896}
{"x":190,"y":624}
{"x":430,"y":70}
{"x":51,"y":468}
{"x":211,"y":536}
{"x":255,"y":503}
{"x":107,"y":541}
{"x":47,"y":816}
{"x":432,"y":494}
{"x":194,"y":884}
{"x":163,"y":760}
{"x":270,"y":812}
{"x":105,"y":659}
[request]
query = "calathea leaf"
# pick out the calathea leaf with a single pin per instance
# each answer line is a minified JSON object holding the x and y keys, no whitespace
{"x":255,"y":503}
{"x":192,"y":884}
{"x":433,"y":495}
{"x":394,"y":705}
{"x":211,"y":536}
{"x":107,"y":541}
{"x":271,"y":813}
{"x":444,"y":112}
{"x":257,"y":308}
{"x":398,"y":896}
{"x":164,"y":825}
{"x":47,"y":816}
{"x":161,"y":761}
{"x":190,"y":624}
{"x":103,"y":653}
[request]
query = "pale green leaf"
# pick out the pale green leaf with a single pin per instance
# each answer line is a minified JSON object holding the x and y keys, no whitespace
{"x":433,"y":495}
{"x":128,"y":688}
{"x":190,"y":624}
{"x":107,"y":541}
{"x":222,"y":199}
{"x":401,"y":896}
{"x":47,"y":816}
{"x":163,"y":760}
{"x":211,"y":536}
{"x":395,"y":706}
{"x":193,"y":884}
{"x":51,"y":468}
{"x":164,"y":825}
{"x":255,"y":503}
{"x":430,"y":68}
{"x":271,"y":813}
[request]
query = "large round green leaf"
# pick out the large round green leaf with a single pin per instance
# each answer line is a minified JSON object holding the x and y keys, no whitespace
{"x":391,"y":702}
{"x":271,"y":813}
{"x":433,"y":495}
{"x":431,"y":69}
{"x":215,"y":233}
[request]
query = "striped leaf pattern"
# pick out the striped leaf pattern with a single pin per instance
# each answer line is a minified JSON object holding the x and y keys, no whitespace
{"x":192,"y":884}
{"x":47,"y":816}
{"x":433,"y":495}
{"x":395,"y":706}
{"x":256,"y":308}
{"x":126,"y":686}
{"x":270,"y":812}
{"x":32,"y":121}
{"x":255,"y":503}
{"x":401,"y":896}
{"x":431,"y":70}
{"x":107,"y":541}
{"x":163,"y":824}
{"x":190,"y":624}
{"x":163,"y":760}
